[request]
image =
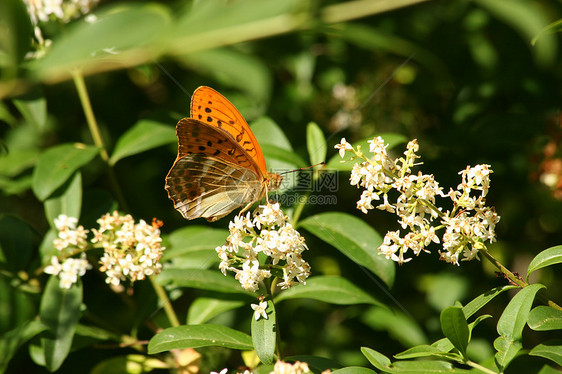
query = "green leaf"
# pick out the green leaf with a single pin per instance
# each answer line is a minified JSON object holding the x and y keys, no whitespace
{"x":12,"y":340}
{"x":33,"y":107}
{"x":421,"y":351}
{"x":455,"y":327}
{"x":507,"y":350}
{"x":548,"y":257}
{"x":477,"y":303}
{"x":267,"y":131}
{"x":87,"y":44}
{"x":445,"y":345}
{"x":550,"y":349}
{"x":529,"y":21}
{"x":146,"y":134}
{"x":514,"y":317}
{"x":280,"y":154}
{"x":18,"y":303}
{"x":16,"y":161}
{"x":227,"y":65}
{"x":60,"y":311}
{"x":129,"y":364}
{"x":315,"y":143}
{"x":203,"y":309}
{"x":66,"y":200}
{"x":354,"y":238}
{"x":196,"y":336}
{"x":554,"y":27}
{"x":201,"y":279}
{"x":344,"y":164}
{"x":16,"y":243}
{"x":191,"y":239}
{"x":353,"y":370}
{"x":398,"y":325}
{"x":57,"y":165}
{"x":543,"y":318}
{"x":378,"y":360}
{"x":330,"y":289}
{"x":15,"y":41}
{"x":264,"y":335}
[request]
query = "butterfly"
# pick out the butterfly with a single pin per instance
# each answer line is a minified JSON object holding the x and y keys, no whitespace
{"x":220,"y":165}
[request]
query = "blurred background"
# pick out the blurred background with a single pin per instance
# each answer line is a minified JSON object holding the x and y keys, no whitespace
{"x":463,"y":77}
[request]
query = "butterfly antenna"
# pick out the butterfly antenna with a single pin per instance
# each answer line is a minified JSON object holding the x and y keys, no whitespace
{"x":300,"y":169}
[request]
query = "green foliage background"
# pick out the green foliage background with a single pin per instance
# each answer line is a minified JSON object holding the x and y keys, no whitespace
{"x":461,"y":76}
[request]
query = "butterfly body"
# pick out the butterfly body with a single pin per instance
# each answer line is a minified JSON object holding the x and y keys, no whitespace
{"x":220,"y":165}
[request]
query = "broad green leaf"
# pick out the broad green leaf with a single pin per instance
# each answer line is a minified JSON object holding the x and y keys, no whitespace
{"x":17,"y":302}
{"x":66,"y":200}
{"x":196,"y":336}
{"x":477,"y":303}
{"x":201,"y":279}
{"x":146,"y":134}
{"x":445,"y":345}
{"x":507,"y":350}
{"x":529,"y":21}
{"x":132,"y":364}
{"x":117,"y":29}
{"x":548,"y":370}
{"x":280,"y":154}
{"x":264,"y":335}
{"x":426,"y":366}
{"x":378,"y":360}
{"x":344,"y":164}
{"x":353,"y":370}
{"x":190,"y":239}
{"x":16,"y":161}
{"x":544,"y":318}
{"x":398,"y":325}
{"x":203,"y":309}
{"x":330,"y":289}
{"x":354,"y":238}
{"x":227,"y":65}
{"x":514,"y":317}
{"x":57,"y":165}
{"x":421,"y":351}
{"x":96,"y":333}
{"x":267,"y":131}
{"x":315,"y":143}
{"x":33,"y":107}
{"x":12,"y":340}
{"x":16,"y":243}
{"x":15,"y":41}
{"x":455,"y":327}
{"x":60,"y":311}
{"x":548,"y":257}
{"x":550,"y":349}
{"x":554,"y":27}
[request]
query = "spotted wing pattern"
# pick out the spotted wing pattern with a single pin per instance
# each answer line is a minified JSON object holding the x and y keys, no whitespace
{"x":212,"y":174}
{"x":211,"y":107}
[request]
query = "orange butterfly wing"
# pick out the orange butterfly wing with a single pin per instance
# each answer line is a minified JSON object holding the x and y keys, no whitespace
{"x":209,"y":106}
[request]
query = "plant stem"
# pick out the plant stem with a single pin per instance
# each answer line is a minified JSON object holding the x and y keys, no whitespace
{"x":298,"y":209}
{"x":480,"y":367}
{"x":514,"y":279}
{"x":163,"y":296}
{"x":80,"y":84}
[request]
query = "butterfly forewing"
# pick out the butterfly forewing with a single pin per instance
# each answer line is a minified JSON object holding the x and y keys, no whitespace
{"x":209,"y":106}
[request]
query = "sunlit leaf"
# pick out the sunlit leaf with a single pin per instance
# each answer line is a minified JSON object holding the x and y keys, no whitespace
{"x":264,"y":335}
{"x":548,"y":257}
{"x":196,"y":336}
{"x":354,"y":238}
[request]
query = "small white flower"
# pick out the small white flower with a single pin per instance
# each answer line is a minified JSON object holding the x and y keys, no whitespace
{"x":223,"y":371}
{"x":260,"y":310}
{"x":343,"y":146}
{"x":64,"y":222}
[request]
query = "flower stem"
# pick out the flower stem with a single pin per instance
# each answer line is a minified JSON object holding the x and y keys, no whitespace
{"x":163,"y":296}
{"x":514,"y":279}
{"x":480,"y":367}
{"x":80,"y":84}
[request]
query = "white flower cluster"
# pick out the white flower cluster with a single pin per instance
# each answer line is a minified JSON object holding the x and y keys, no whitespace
{"x":131,"y":251}
{"x":281,"y":367}
{"x":268,"y":233}
{"x":467,"y":226}
{"x":70,"y":240}
{"x":64,"y":10}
